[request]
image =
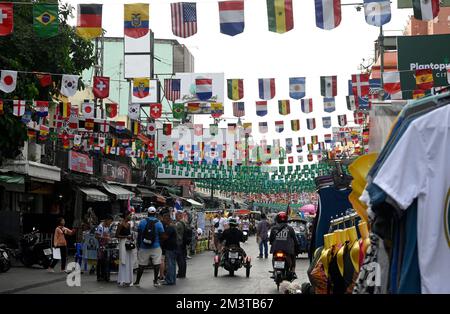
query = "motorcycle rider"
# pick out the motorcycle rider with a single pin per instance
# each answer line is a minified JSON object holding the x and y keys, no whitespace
{"x":232,"y":236}
{"x":245,"y":224}
{"x":282,"y":238}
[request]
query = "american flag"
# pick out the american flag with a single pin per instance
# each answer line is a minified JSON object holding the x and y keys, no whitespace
{"x":238,"y":109}
{"x":172,"y":89}
{"x":184,"y":19}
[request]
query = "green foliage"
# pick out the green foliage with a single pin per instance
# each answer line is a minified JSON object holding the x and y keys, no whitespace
{"x":65,"y":53}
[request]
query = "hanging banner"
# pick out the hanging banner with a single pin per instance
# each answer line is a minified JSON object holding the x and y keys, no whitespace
{"x":115,"y":171}
{"x":81,"y":163}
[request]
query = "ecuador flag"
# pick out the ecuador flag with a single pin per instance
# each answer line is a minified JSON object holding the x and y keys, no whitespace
{"x":136,"y":19}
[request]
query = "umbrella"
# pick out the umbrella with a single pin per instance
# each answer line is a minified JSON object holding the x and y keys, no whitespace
{"x":310,"y":209}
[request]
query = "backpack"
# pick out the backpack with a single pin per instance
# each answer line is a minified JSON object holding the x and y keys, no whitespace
{"x":149,"y":233}
{"x":187,"y":234}
{"x":217,"y":224}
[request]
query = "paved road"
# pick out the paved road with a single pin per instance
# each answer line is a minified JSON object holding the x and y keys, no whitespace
{"x":200,"y":279}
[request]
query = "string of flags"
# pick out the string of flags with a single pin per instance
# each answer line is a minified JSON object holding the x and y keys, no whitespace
{"x":280,"y":17}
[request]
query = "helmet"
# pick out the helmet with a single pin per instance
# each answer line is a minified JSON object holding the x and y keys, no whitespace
{"x":151,"y":210}
{"x":233,"y":222}
{"x":281,"y":217}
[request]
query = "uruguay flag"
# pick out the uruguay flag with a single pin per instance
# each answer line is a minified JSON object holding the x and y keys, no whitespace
{"x":328,"y":14}
{"x":297,"y":87}
{"x":377,"y":12}
{"x":231,"y":14}
{"x":203,"y":88}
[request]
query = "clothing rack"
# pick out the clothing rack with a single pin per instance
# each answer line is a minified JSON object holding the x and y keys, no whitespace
{"x":343,"y":219}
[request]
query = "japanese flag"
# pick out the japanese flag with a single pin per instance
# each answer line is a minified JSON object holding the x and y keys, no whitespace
{"x":8,"y":81}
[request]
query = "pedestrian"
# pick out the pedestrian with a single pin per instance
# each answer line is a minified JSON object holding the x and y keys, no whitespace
{"x":162,"y":266}
{"x":126,"y":254}
{"x":59,"y":242}
{"x":103,"y":235}
{"x":149,"y":248}
{"x":169,"y":245}
{"x":262,"y":236}
{"x":218,"y":224}
{"x":181,"y":245}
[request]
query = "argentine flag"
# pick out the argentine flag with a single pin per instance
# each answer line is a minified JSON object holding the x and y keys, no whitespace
{"x":377,"y":12}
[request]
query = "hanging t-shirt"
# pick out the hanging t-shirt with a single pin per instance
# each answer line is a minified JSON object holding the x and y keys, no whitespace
{"x":418,"y":167}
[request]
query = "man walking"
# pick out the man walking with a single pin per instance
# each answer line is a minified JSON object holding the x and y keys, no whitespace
{"x":169,"y":244}
{"x":218,"y":223}
{"x":181,"y":227}
{"x":149,"y":235}
{"x":262,"y":237}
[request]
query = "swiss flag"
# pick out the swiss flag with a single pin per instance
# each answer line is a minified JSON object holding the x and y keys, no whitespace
{"x":291,"y":159}
{"x":6,"y":19}
{"x":101,"y":87}
{"x":155,"y":110}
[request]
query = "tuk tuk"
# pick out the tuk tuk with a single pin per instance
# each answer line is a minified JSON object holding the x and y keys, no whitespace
{"x":301,"y":231}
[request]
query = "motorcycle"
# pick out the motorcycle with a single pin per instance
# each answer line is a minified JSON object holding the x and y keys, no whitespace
{"x":245,"y":233}
{"x":281,"y":269}
{"x":232,"y":260}
{"x":32,"y":251}
{"x":5,"y":262}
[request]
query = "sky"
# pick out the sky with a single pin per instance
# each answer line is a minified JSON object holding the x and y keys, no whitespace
{"x":257,"y":53}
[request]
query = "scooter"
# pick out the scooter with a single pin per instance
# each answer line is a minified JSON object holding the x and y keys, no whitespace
{"x":245,"y":233}
{"x":232,"y":260}
{"x":5,"y":262}
{"x":281,"y":269}
{"x":32,"y":251}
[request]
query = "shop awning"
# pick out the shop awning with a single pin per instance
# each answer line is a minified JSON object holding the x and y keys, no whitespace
{"x":145,"y":192}
{"x":194,"y":203}
{"x":94,"y":195}
{"x":12,"y":179}
{"x":119,"y":192}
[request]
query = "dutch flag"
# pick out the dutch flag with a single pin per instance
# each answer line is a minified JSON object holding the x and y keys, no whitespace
{"x":231,"y":14}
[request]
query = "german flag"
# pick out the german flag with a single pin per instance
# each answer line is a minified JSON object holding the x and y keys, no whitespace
{"x":64,"y":109}
{"x":424,"y":79}
{"x":89,"y":24}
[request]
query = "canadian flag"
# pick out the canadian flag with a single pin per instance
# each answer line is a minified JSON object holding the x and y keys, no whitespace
{"x":391,"y":82}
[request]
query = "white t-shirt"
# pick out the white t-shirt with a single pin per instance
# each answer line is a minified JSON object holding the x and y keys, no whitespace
{"x":221,"y":221}
{"x":419,"y":167}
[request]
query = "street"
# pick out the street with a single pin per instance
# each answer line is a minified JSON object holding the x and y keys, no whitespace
{"x":200,"y":279}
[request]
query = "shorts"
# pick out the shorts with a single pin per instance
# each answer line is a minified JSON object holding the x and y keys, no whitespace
{"x":144,"y":256}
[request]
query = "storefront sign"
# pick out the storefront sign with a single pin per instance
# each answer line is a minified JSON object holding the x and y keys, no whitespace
{"x":81,"y":163}
{"x":116,"y":171}
{"x":422,"y":52}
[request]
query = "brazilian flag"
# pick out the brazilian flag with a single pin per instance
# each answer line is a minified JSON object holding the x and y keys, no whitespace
{"x":178,"y":111}
{"x":45,"y":20}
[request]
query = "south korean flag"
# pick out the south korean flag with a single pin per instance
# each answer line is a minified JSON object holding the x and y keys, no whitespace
{"x":133,"y":111}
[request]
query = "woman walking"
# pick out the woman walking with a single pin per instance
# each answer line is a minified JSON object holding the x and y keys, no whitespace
{"x":59,"y":242}
{"x":123,"y":233}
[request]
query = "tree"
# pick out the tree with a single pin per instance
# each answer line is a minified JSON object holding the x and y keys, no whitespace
{"x":65,"y":53}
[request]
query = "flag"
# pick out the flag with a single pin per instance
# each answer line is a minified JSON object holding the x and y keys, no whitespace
{"x":69,"y":85}
{"x":299,"y":148}
{"x":18,"y":107}
{"x":326,"y":122}
{"x":238,"y":109}
{"x":43,"y":132}
{"x":235,"y":89}
{"x":342,"y":119}
{"x":291,"y":159}
{"x":6,"y":18}
{"x":231,"y":128}
{"x":377,"y":12}
{"x":297,"y":87}
{"x":111,"y":110}
{"x":266,"y":88}
{"x":301,"y":141}
{"x":203,"y":88}
{"x":89,"y":124}
{"x":184,"y":19}
{"x":64,"y":109}
{"x":391,"y":82}
{"x":263,"y":128}
{"x":214,"y":129}
{"x":178,"y":111}
{"x":193,"y":107}
{"x":87,"y":109}
{"x":300,"y":159}
{"x":424,"y":79}
{"x":136,"y":127}
{"x":136,"y":19}
{"x":31,"y":134}
{"x":103,"y":125}
{"x":44,"y":79}
{"x":261,"y":108}
{"x":231,"y":15}
{"x":2,"y":110}
{"x":288,"y":149}
{"x":26,"y":118}
{"x":425,"y":10}
{"x":216,"y":109}
{"x":45,"y":19}
{"x":310,"y":157}
{"x":328,"y":86}
{"x":172,"y":89}
{"x":307,"y":105}
{"x":295,"y":125}
{"x":8,"y":79}
{"x":247,"y":127}
{"x":314,"y":139}
{"x":279,"y":126}
{"x":284,"y":107}
{"x":311,"y":123}
{"x":198,"y":129}
{"x":328,"y":13}
{"x":89,"y":23}
{"x":133,"y":111}
{"x":418,"y":94}
{"x":321,"y":146}
{"x":151,"y":128}
{"x":328,"y":138}
{"x":288,"y":142}
{"x":360,"y":84}
{"x":101,"y":141}
{"x":73,"y":118}
{"x":352,"y":102}
{"x":280,"y":16}
{"x":101,"y":87}
{"x":358,"y":117}
{"x":155,"y":111}
{"x":41,"y":108}
{"x":329,"y":104}
{"x":141,"y":87}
